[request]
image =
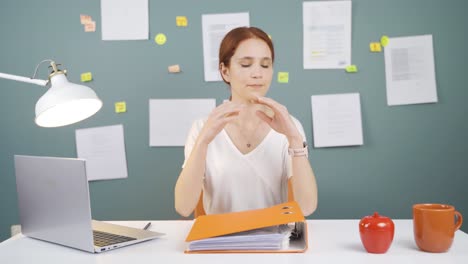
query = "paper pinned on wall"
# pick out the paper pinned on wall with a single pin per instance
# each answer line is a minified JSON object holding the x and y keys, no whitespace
{"x":103,"y":148}
{"x":124,"y":19}
{"x":336,"y":120}
{"x":326,"y":34}
{"x":215,"y":27}
{"x":171,"y":119}
{"x":409,"y":70}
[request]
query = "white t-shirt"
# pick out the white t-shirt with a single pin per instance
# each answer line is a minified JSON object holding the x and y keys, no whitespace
{"x":237,"y":182}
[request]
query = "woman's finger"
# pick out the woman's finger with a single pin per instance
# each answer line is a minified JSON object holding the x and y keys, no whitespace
{"x":264,"y":117}
{"x":269,"y":102}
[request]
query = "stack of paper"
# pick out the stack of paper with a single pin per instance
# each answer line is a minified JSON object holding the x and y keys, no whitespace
{"x":271,"y":238}
{"x":279,"y":228}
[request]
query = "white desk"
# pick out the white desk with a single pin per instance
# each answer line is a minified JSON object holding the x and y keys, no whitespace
{"x":330,"y":241}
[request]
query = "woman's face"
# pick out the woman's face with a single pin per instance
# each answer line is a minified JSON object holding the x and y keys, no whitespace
{"x":250,"y":71}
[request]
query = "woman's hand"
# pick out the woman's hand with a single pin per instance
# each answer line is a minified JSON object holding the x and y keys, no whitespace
{"x":281,"y":121}
{"x":218,"y":119}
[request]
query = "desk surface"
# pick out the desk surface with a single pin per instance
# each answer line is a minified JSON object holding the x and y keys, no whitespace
{"x":330,"y":241}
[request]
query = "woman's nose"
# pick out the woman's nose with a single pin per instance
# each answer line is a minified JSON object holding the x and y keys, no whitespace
{"x":256,"y":72}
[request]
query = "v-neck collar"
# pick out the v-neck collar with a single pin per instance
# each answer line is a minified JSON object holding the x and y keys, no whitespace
{"x":228,"y":139}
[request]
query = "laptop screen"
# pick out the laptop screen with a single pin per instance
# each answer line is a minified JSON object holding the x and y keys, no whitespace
{"x":53,"y":200}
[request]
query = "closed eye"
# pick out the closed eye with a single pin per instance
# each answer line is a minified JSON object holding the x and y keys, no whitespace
{"x":266,"y":63}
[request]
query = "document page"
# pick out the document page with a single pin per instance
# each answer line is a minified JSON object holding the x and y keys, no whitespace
{"x":124,"y":19}
{"x":409,"y":70}
{"x":327,"y":34}
{"x":170,"y":120}
{"x":270,"y":238}
{"x":215,"y":27}
{"x":103,"y":148}
{"x":336,"y":120}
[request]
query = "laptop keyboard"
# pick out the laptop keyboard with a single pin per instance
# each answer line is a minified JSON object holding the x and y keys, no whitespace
{"x":102,"y":239}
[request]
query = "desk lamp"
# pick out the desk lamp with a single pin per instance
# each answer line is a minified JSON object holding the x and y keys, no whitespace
{"x":64,"y":103}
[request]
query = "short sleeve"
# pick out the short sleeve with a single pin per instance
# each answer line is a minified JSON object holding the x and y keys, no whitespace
{"x":192,"y":138}
{"x":288,"y":157}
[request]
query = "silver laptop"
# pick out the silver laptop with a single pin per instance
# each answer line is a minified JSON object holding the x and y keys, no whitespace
{"x":54,"y":205}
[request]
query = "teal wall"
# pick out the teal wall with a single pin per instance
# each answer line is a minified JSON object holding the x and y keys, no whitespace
{"x":411,"y":154}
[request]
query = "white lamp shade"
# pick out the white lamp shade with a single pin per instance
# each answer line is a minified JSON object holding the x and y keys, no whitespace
{"x":65,"y":103}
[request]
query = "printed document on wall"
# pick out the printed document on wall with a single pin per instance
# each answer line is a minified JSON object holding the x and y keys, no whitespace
{"x":124,"y":19}
{"x":103,"y":148}
{"x":215,"y":27}
{"x":326,"y":34}
{"x":171,"y":119}
{"x":336,"y":120}
{"x":409,"y":70}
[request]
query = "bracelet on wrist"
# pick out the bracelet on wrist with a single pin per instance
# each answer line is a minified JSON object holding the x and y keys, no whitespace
{"x":299,"y":152}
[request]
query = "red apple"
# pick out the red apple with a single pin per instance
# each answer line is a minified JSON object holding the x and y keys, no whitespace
{"x":376,"y":233}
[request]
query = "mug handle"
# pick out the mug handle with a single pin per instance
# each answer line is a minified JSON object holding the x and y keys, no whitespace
{"x":459,"y":220}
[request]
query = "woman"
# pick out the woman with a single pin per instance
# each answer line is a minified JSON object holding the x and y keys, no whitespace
{"x":243,"y":154}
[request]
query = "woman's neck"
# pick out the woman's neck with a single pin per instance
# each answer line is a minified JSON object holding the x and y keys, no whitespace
{"x":248,"y":130}
{"x":248,"y":117}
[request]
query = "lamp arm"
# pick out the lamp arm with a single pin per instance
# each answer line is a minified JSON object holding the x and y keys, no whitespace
{"x":23,"y":79}
{"x":33,"y":79}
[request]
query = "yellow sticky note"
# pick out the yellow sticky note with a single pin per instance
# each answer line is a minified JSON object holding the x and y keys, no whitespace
{"x":160,"y":39}
{"x":384,"y":40}
{"x":120,"y":107}
{"x":181,"y":21}
{"x":283,"y":77}
{"x":351,"y":68}
{"x":86,"y":77}
{"x":375,"y":47}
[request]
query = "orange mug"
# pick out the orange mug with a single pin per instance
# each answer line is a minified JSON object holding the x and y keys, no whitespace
{"x":434,"y":226}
